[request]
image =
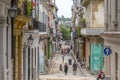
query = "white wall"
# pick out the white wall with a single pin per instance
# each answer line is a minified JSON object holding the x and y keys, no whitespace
{"x":5,"y":73}
{"x":35,"y":44}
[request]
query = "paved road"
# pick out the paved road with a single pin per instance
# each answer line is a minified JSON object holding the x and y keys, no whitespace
{"x":56,"y":75}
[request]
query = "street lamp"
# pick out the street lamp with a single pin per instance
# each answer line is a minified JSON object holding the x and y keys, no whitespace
{"x":30,"y":40}
{"x":12,"y":13}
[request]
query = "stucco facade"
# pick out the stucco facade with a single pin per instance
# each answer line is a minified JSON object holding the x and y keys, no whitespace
{"x":112,"y":61}
{"x":5,"y":42}
{"x":30,"y":56}
{"x":111,"y":38}
{"x":94,"y":15}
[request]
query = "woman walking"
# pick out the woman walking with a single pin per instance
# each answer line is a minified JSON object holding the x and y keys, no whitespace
{"x":65,"y":68}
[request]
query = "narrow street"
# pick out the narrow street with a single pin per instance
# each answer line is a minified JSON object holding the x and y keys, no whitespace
{"x":54,"y":74}
{"x":59,"y":39}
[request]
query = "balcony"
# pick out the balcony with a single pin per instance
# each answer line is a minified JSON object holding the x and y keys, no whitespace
{"x":92,"y":31}
{"x":37,"y":25}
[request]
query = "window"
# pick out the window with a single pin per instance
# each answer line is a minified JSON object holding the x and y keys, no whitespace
{"x":35,"y":56}
{"x":106,"y":22}
{"x":116,"y":7}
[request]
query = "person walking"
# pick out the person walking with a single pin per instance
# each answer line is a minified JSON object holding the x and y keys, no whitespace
{"x":74,"y":68}
{"x":77,"y":55}
{"x":65,"y":68}
{"x":61,"y":70}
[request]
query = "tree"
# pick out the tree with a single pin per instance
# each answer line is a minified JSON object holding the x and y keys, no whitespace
{"x":65,"y":32}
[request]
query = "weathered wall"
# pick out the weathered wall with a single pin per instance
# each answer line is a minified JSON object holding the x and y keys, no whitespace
{"x":97,"y":14}
{"x":5,"y":42}
{"x":94,"y":14}
{"x":110,"y":64}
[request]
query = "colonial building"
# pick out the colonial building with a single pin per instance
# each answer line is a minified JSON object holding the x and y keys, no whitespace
{"x":21,"y":59}
{"x":5,"y":42}
{"x":112,"y":39}
{"x":94,"y":16}
{"x":75,"y":27}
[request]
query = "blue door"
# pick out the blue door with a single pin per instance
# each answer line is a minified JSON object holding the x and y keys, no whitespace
{"x":96,"y":57}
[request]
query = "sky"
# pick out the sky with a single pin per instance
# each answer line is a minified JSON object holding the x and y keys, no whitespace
{"x":64,"y":8}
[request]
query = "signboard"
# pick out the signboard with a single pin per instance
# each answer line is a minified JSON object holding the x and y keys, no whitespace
{"x":107,"y":51}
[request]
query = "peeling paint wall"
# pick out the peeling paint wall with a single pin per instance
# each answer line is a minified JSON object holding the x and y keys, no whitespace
{"x":97,"y":14}
{"x":94,"y":14}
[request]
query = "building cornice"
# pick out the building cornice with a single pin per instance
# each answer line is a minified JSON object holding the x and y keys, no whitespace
{"x":85,"y":3}
{"x":111,"y":36}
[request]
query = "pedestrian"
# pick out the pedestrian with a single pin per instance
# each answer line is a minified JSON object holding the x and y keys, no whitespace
{"x":82,"y":64}
{"x":74,"y":68}
{"x":65,"y":68}
{"x":68,"y":50}
{"x":77,"y":55}
{"x":100,"y":75}
{"x":61,"y":70}
{"x":71,"y":47}
{"x":61,"y":51}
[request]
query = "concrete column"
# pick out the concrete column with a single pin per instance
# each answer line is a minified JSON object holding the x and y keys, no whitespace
{"x":16,"y":58}
{"x":1,"y":53}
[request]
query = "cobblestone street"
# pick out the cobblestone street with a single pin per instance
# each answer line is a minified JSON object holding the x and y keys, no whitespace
{"x":54,"y":73}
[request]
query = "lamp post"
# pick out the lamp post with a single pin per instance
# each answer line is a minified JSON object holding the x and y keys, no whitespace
{"x":12,"y":13}
{"x":30,"y":40}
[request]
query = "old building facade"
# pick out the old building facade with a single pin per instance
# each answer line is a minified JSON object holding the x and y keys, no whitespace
{"x":94,"y":16}
{"x":5,"y":42}
{"x":111,"y":38}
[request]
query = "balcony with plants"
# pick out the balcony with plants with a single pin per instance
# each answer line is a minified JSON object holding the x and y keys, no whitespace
{"x":89,"y":30}
{"x":27,"y":8}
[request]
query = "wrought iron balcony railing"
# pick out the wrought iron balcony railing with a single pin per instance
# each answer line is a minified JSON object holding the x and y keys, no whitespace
{"x":39,"y":26}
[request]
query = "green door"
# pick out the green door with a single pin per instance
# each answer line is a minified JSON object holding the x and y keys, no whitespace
{"x":49,"y":54}
{"x":96,"y":58}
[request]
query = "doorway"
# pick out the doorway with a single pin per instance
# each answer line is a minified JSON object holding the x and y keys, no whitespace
{"x":116,"y":66}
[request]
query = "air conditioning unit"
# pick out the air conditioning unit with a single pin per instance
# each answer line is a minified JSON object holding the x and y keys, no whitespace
{"x":107,"y":78}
